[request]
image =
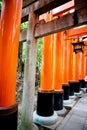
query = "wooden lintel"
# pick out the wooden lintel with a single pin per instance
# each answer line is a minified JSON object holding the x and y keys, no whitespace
{"x":60,"y":24}
{"x":80,"y":4}
{"x":43,"y":6}
{"x":28,"y":2}
{"x":46,"y":5}
{"x":63,"y":23}
{"x":25,"y":14}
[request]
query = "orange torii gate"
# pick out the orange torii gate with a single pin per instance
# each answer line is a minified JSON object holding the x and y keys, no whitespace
{"x":45,"y":105}
{"x":79,"y":59}
{"x":9,"y":41}
{"x":65,"y":55}
{"x":65,"y":71}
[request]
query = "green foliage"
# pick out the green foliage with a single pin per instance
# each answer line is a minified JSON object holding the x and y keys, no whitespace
{"x":23,"y":26}
{"x":22,"y":56}
{"x":39,"y":55}
{"x":0,"y":4}
{"x":38,"y":61}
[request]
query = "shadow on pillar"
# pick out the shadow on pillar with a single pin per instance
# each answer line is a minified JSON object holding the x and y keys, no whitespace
{"x":77,"y":88}
{"x":71,"y":89}
{"x":45,"y":114}
{"x":58,"y":102}
{"x":8,"y":117}
{"x":82,"y":84}
{"x":66,"y":89}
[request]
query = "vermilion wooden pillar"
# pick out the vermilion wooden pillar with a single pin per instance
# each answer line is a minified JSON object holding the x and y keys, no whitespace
{"x":57,"y":72}
{"x":65,"y":68}
{"x":70,"y":67}
{"x":76,"y":58}
{"x":78,"y":70}
{"x":9,"y":30}
{"x":45,"y":106}
{"x":70,"y":49}
{"x":85,"y":59}
{"x":85,"y":65}
{"x":57,"y":62}
{"x":82,"y":70}
{"x":65,"y":57}
{"x":46,"y":71}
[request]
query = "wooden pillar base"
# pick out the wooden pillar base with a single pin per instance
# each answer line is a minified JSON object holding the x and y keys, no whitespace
{"x":8,"y":117}
{"x":82,"y":83}
{"x":76,"y":87}
{"x":65,"y":87}
{"x":42,"y":120}
{"x":71,"y":88}
{"x":58,"y":100}
{"x":45,"y":114}
{"x":45,"y":106}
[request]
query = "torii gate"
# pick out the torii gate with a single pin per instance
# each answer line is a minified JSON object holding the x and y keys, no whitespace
{"x":56,"y":25}
{"x":35,"y":30}
{"x":59,"y":24}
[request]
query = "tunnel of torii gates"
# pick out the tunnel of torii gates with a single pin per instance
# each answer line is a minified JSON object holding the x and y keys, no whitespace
{"x":62,"y":74}
{"x":63,"y":71}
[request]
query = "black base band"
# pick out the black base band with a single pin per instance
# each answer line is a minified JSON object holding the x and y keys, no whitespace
{"x":65,"y":87}
{"x":45,"y":105}
{"x":77,"y":87}
{"x":8,"y":117}
{"x":82,"y":83}
{"x":58,"y":100}
{"x":71,"y":88}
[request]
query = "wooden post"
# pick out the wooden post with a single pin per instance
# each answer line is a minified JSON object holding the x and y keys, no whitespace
{"x":47,"y":63}
{"x":9,"y":42}
{"x":65,"y":57}
{"x":29,"y":75}
{"x":57,"y":73}
{"x":81,"y":66}
{"x":70,"y":76}
{"x":85,"y":56}
{"x":57,"y":62}
{"x":75,"y":72}
{"x":45,"y":114}
{"x":10,"y":30}
{"x":46,"y":70}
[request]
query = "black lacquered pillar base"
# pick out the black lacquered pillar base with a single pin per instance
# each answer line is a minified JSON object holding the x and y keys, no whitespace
{"x":77,"y":87}
{"x":44,"y":113}
{"x":71,"y":88}
{"x":65,"y":87}
{"x":45,"y":105}
{"x":8,"y":117}
{"x":82,"y":83}
{"x":58,"y":100}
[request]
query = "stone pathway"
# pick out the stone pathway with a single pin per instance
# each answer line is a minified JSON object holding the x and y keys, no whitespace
{"x":76,"y":119}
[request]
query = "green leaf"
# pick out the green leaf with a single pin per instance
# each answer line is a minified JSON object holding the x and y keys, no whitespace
{"x":23,"y":25}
